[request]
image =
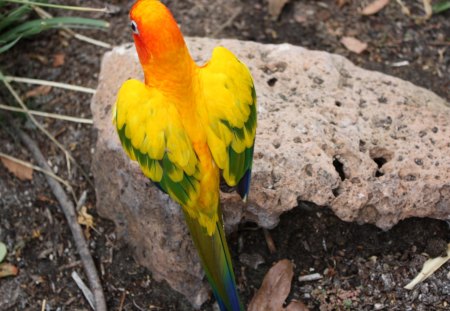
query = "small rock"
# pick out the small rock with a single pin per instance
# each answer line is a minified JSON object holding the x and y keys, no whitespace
{"x":388,"y":283}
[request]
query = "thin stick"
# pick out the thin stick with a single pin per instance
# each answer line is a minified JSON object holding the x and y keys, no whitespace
{"x":84,"y":289}
{"x":90,"y":40}
{"x":51,"y":83}
{"x":270,"y":243}
{"x":57,"y":6}
{"x":37,"y":168}
{"x":69,"y":211}
{"x":44,"y":14}
{"x":48,"y":114}
{"x":122,"y":300}
{"x":40,"y":127}
{"x":228,"y":22}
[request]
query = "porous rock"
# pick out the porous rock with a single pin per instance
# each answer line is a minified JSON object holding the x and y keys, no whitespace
{"x":373,"y":148}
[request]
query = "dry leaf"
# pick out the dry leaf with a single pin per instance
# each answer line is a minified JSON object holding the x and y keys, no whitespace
{"x":7,"y":269}
{"x":85,"y":219}
{"x":40,"y":58}
{"x":275,"y":288}
{"x":58,"y":59}
{"x":275,"y":7}
{"x":296,"y":306}
{"x":38,"y":91}
{"x":374,"y":7}
{"x":341,"y":3}
{"x":354,"y":45}
{"x":19,"y":170}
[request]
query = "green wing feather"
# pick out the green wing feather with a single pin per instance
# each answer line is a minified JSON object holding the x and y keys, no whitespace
{"x":151,"y":133}
{"x":230,"y":107}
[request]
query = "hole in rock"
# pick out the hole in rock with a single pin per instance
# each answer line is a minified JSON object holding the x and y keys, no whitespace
{"x":339,"y":166}
{"x":381,"y":156}
{"x":336,"y":191}
{"x":380,"y":161}
{"x":338,"y":103}
{"x":272,"y":81}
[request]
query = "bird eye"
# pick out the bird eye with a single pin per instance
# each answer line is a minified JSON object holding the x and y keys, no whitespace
{"x":134,"y":27}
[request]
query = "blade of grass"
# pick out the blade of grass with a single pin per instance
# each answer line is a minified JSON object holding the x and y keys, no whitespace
{"x":44,"y":14}
{"x":38,"y":25}
{"x":441,"y":7}
{"x":48,"y":115}
{"x":6,"y":47}
{"x":14,"y":16}
{"x":50,"y":83}
{"x":59,"y":6}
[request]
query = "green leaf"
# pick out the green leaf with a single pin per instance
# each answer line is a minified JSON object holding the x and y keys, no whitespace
{"x":36,"y":26}
{"x":3,"y":251}
{"x":6,"y":47}
{"x":441,"y":7}
{"x":14,"y":16}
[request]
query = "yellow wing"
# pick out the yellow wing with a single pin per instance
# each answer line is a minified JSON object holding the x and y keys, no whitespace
{"x":230,"y":109}
{"x":151,"y":133}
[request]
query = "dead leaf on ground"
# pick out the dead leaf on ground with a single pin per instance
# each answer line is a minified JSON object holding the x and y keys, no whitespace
{"x":275,"y":288}
{"x":19,"y":170}
{"x":85,"y":219}
{"x":59,"y":59}
{"x":296,"y":306}
{"x":275,"y":7}
{"x":7,"y":269}
{"x":354,"y":45}
{"x":341,"y":3}
{"x":374,"y":7}
{"x":38,"y":91}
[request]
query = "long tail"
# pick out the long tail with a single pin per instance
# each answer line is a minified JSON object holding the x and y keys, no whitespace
{"x":216,"y":261}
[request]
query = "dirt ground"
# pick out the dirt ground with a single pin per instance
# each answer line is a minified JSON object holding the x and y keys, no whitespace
{"x":363,"y":267}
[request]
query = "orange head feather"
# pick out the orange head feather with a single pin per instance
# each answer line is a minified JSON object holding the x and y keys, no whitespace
{"x":155,"y":31}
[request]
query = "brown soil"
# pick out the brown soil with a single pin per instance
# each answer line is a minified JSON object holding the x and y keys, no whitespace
{"x":363,"y":267}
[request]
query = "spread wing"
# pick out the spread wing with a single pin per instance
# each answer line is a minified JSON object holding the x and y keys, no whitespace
{"x":230,"y":109}
{"x":151,"y":133}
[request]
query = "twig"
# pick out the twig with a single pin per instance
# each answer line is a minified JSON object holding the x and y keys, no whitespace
{"x":40,"y":127}
{"x":122,"y":300}
{"x":228,"y":22}
{"x":44,"y":14}
{"x":51,"y":83}
{"x":269,"y":241}
{"x":309,"y":277}
{"x":137,"y":306}
{"x":429,"y":267}
{"x":81,"y":201}
{"x":37,"y":168}
{"x":84,"y":289}
{"x":44,"y":304}
{"x":69,"y":211}
{"x":48,"y":114}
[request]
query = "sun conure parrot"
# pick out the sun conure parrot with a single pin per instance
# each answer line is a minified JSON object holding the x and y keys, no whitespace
{"x":185,"y":125}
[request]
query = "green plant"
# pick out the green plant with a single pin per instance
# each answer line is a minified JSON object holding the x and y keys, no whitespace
{"x":441,"y":7}
{"x":15,"y":22}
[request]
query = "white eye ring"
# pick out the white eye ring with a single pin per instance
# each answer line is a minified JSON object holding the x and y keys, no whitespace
{"x":134,"y":27}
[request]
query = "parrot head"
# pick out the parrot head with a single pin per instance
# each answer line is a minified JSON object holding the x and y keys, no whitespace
{"x":155,"y":32}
